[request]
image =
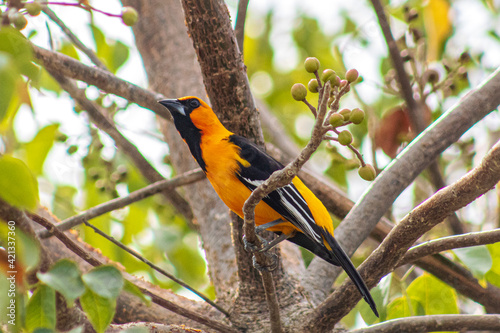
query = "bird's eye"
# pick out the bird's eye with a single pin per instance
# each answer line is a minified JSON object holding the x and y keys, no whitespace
{"x":194,"y":103}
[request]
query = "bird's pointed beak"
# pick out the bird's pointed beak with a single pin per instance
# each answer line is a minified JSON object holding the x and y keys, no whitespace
{"x":173,"y":106}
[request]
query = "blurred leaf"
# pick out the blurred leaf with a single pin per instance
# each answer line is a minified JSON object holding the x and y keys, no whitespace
{"x":64,"y":277}
{"x":435,"y":296}
{"x":106,"y":281}
{"x":476,"y":258}
{"x":493,"y":276}
{"x":8,"y":79}
{"x":134,"y":290}
{"x":38,"y":149}
{"x":102,"y":48}
{"x":63,"y":206}
{"x":135,"y":222}
{"x":365,"y":310}
{"x":119,"y":54}
{"x":46,"y":81}
{"x":18,"y":186}
{"x":438,"y":27}
{"x":188,"y":262}
{"x":112,"y":53}
{"x":69,"y":50}
{"x":404,"y":307}
{"x":41,"y":309}
{"x":100,"y":310}
{"x":27,"y":251}
{"x":14,"y":43}
{"x":392,"y":129}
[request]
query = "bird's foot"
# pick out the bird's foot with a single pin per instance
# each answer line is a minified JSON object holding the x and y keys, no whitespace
{"x":273,"y":263}
{"x":252,"y":248}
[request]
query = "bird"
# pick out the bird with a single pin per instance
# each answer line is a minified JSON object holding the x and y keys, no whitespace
{"x":235,"y":167}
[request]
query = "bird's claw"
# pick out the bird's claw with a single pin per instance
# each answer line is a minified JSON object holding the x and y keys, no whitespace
{"x":252,"y":248}
{"x":268,"y":268}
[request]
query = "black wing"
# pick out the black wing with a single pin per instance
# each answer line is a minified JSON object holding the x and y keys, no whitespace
{"x":287,"y":201}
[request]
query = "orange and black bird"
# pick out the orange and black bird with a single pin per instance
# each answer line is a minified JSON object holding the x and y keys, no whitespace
{"x":235,"y":167}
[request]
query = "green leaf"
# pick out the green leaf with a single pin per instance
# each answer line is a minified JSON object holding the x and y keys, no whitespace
{"x":46,"y":81}
{"x":404,"y":307}
{"x":102,"y":47}
{"x":134,"y":290}
{"x":100,"y":310}
{"x":41,"y":309}
{"x":119,"y":54}
{"x":435,"y":296}
{"x":8,"y":77}
{"x":69,"y":50}
{"x":493,"y":276}
{"x":106,"y":281}
{"x":17,"y":184}
{"x":44,"y":330}
{"x":38,"y":149}
{"x":365,"y":310}
{"x":14,"y":43}
{"x":65,"y":277}
{"x":476,"y":258}
{"x":63,"y":204}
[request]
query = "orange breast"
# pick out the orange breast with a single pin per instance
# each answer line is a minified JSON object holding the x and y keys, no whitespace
{"x":221,"y":169}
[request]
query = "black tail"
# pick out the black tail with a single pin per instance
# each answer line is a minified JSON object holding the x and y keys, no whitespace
{"x":335,"y":257}
{"x":341,"y":259}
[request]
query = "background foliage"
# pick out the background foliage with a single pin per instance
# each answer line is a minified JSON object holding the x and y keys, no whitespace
{"x":50,"y":150}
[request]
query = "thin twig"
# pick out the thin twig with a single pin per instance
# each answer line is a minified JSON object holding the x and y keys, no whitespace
{"x":75,"y":248}
{"x":445,"y":322}
{"x":239,"y":29}
{"x":450,"y":243}
{"x":74,"y":39}
{"x":114,"y":204}
{"x":156,"y":268}
{"x":423,"y":218}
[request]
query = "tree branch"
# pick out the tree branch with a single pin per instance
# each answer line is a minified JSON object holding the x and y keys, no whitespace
{"x":68,"y":242}
{"x":239,"y":28}
{"x":157,"y":268}
{"x":74,"y":39}
{"x":114,"y":204}
{"x":450,"y":243}
{"x":66,"y":66}
{"x":433,"y":323}
{"x":416,"y":157}
{"x":424,"y":217}
{"x":223,"y":70}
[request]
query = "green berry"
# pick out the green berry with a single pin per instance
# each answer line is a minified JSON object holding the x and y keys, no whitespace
{"x":367,"y":172}
{"x":336,"y":120}
{"x":18,"y":20}
{"x":346,"y":113}
{"x":313,"y":86}
{"x":72,"y":149}
{"x":357,"y":116}
{"x":327,"y":74}
{"x":33,"y":8}
{"x":335,"y":80}
{"x":299,"y":92}
{"x":345,"y":138}
{"x":351,"y":75}
{"x":311,"y":64}
{"x":129,"y":16}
